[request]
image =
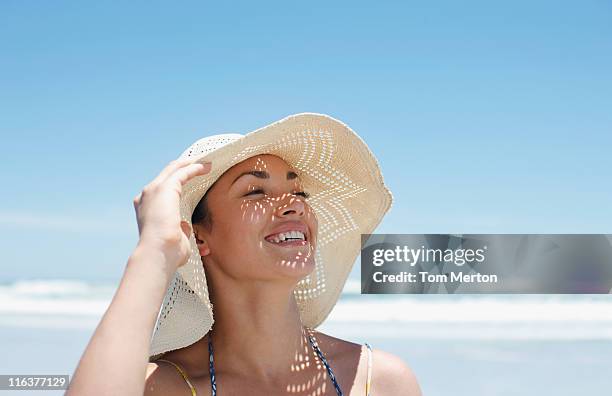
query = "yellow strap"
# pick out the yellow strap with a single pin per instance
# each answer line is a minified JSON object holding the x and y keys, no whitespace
{"x":183,"y":374}
{"x":369,"y":380}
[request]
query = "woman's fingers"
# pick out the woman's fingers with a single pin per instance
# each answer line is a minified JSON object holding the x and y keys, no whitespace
{"x":183,"y":175}
{"x":169,"y":169}
{"x":157,"y":207}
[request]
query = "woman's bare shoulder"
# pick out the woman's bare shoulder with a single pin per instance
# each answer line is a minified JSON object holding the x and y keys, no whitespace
{"x":336,"y":348}
{"x":392,"y":376}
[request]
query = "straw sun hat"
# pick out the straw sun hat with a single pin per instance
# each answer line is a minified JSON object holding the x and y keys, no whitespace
{"x":347,"y":193}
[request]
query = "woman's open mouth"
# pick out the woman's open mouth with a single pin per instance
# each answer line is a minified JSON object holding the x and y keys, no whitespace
{"x":288,"y":239}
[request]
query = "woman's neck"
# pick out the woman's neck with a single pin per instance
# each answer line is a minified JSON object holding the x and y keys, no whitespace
{"x":258,"y":332}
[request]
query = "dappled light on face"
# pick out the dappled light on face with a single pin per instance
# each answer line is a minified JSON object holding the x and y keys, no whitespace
{"x":273,"y":197}
{"x":299,"y":259}
{"x":253,"y":210}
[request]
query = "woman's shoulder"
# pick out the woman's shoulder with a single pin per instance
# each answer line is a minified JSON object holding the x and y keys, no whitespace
{"x":391,"y":375}
{"x":336,"y":347}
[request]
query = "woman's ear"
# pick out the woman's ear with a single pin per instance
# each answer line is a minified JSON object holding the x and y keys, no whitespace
{"x":203,"y":247}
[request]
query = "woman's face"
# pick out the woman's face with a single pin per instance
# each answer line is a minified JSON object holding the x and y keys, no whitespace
{"x":262,"y":226}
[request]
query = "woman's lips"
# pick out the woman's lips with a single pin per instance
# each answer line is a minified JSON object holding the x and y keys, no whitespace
{"x":291,"y":243}
{"x":288,"y":226}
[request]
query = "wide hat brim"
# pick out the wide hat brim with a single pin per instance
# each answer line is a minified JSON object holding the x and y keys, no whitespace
{"x":347,"y":193}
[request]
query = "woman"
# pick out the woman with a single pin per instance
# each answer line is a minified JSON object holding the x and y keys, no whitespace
{"x":264,"y":227}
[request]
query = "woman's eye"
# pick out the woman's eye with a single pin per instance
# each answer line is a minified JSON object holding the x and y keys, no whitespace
{"x":258,"y":191}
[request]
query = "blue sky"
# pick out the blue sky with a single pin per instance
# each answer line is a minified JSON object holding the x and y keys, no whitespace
{"x":486,"y":118}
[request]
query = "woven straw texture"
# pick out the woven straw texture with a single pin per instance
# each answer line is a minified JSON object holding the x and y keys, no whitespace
{"x":348,"y":195}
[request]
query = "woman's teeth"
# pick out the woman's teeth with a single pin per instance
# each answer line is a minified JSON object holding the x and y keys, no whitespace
{"x":286,"y":236}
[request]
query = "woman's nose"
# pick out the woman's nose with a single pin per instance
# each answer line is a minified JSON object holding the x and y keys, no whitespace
{"x":291,"y":205}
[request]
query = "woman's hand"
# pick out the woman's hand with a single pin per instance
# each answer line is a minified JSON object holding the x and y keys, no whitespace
{"x":158,"y":214}
{"x":116,"y":358}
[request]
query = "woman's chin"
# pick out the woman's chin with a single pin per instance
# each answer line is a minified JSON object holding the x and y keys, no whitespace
{"x":295,"y":266}
{"x":295,"y":261}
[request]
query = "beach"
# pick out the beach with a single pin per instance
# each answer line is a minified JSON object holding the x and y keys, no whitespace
{"x":455,"y":344}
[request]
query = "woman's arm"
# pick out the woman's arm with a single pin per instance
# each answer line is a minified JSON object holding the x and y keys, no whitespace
{"x":116,"y":358}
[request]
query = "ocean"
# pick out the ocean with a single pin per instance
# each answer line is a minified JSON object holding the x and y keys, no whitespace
{"x":455,"y":344}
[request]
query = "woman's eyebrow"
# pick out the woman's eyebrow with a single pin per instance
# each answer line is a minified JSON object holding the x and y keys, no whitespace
{"x":264,"y":175}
